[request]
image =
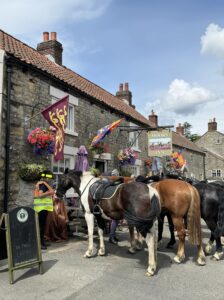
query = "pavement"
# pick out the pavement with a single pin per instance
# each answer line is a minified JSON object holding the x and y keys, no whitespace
{"x":118,"y":275}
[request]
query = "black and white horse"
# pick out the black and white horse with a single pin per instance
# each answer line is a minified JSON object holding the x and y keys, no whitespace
{"x":138,"y":203}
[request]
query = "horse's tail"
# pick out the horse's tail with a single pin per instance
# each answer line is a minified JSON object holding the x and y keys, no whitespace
{"x":220,"y":218}
{"x":194,"y":217}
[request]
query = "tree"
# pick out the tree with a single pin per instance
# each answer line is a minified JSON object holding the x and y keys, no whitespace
{"x":187,"y":132}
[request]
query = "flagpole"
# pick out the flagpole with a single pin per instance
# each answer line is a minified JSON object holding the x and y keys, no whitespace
{"x":28,"y":119}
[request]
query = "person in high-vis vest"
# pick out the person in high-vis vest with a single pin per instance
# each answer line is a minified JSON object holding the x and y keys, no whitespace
{"x":43,"y":202}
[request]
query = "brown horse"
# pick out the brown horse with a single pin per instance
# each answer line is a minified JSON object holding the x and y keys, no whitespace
{"x":182,"y":200}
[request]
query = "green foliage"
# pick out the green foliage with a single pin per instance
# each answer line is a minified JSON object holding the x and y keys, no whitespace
{"x":30,"y":172}
{"x":95,"y":172}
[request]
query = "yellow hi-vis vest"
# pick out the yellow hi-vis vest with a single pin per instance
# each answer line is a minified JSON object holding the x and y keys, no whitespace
{"x":45,"y":203}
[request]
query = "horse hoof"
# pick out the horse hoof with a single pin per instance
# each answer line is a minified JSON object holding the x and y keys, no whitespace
{"x":217,"y":256}
{"x":170,"y":245}
{"x":88,"y":254}
{"x":131,"y":250}
{"x":150,"y":272}
{"x":101,"y":252}
{"x":159,"y":243}
{"x":201,"y":261}
{"x":178,"y":259}
{"x":139,"y":247}
{"x":208,"y":249}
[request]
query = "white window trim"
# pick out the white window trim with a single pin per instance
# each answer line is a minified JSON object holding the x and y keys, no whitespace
{"x":56,"y":93}
{"x":137,"y":149}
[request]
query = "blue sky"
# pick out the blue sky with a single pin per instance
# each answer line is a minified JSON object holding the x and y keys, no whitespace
{"x":171,"y":52}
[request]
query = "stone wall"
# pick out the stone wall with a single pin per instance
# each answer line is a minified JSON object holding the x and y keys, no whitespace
{"x":29,"y":95}
{"x":213,"y":141}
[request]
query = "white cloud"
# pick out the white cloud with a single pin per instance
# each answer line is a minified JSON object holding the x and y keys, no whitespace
{"x":212,"y":42}
{"x":183,"y":98}
{"x":185,"y":102}
{"x":27,"y":17}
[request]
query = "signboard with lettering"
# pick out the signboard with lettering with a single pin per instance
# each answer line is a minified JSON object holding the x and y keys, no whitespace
{"x":160,"y":143}
{"x":23,"y":239}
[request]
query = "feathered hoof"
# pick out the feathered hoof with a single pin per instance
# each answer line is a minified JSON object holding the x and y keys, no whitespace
{"x":201,"y":261}
{"x":217,"y":256}
{"x":179,"y":259}
{"x":101,"y":252}
{"x":132,"y":250}
{"x":88,"y":254}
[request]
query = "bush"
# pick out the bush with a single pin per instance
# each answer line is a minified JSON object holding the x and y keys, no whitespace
{"x":30,"y":172}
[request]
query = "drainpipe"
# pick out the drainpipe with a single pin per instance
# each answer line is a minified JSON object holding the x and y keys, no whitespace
{"x":7,"y":138}
{"x":2,"y":54}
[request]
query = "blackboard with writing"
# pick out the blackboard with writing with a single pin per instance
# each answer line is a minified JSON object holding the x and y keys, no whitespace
{"x":23,"y":235}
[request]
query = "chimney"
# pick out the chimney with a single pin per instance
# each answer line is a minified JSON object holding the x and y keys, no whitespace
{"x":153,"y":119}
{"x":180,"y":129}
{"x":212,"y":125}
{"x":51,"y":48}
{"x":124,"y":94}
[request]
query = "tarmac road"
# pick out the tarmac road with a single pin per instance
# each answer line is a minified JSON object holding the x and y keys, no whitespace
{"x":118,"y":275}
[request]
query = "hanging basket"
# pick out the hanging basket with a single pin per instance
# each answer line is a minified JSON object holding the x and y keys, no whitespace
{"x":30,"y":172}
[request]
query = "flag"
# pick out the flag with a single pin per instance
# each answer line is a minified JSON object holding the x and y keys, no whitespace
{"x":56,"y":115}
{"x":102,"y":132}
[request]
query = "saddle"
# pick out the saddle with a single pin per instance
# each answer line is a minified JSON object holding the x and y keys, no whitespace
{"x":103,"y":189}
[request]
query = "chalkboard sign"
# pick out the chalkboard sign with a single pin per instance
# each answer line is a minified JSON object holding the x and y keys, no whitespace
{"x":23,"y":239}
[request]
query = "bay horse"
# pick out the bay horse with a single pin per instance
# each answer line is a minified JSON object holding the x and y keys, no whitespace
{"x":138,"y":203}
{"x":182,"y":200}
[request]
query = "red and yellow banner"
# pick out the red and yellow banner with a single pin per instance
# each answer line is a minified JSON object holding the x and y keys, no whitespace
{"x":56,"y":115}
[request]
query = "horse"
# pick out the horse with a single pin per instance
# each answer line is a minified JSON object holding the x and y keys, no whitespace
{"x":212,"y":211}
{"x":138,"y":203}
{"x":182,"y":200}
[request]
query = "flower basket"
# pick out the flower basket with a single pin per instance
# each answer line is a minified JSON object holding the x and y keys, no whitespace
{"x":42,"y":140}
{"x":30,"y":172}
{"x":100,"y":148}
{"x":126,"y":157}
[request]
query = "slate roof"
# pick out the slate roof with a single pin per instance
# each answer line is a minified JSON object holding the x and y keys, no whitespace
{"x":183,"y":142}
{"x":31,"y":57}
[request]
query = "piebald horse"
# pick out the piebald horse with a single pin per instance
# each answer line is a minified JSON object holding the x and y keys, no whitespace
{"x":138,"y":203}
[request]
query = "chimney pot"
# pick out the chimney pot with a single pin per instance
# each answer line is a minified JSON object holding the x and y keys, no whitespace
{"x":45,"y":36}
{"x":54,"y":36}
{"x":121,"y":87}
{"x":126,"y":86}
{"x":212,"y":125}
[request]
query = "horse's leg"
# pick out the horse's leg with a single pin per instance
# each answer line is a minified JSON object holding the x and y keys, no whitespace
{"x":172,"y":235}
{"x":138,"y":241}
{"x":208,"y":247}
{"x":160,"y":227}
{"x":132,"y":249}
{"x":152,"y":251}
{"x":178,"y":224}
{"x":218,"y":253}
{"x":90,"y":224}
{"x":101,"y":226}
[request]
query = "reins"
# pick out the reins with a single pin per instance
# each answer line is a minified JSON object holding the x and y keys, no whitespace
{"x":85,"y":188}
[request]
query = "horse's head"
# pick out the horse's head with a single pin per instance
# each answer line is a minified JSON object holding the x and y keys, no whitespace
{"x":70,"y":179}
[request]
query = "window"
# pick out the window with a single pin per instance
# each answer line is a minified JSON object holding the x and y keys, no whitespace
{"x":70,"y":118}
{"x":60,"y":166}
{"x":216,"y":173}
{"x":134,"y":138}
{"x":57,"y":94}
